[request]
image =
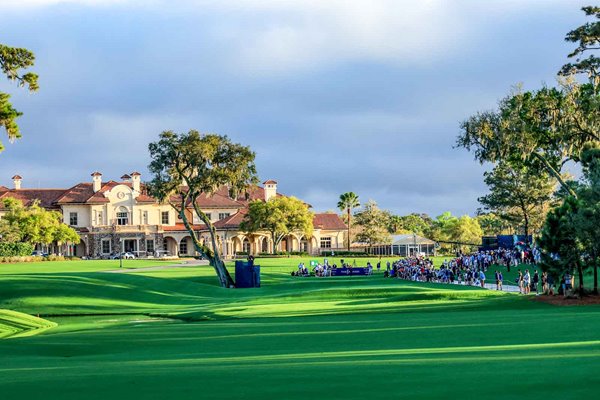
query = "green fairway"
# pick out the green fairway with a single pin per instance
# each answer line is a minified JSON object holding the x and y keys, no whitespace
{"x":173,"y":333}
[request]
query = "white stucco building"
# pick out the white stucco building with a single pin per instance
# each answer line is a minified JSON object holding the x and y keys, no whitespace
{"x":112,"y":216}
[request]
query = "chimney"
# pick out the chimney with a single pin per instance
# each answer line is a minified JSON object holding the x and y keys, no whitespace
{"x":97,"y":181}
{"x":136,"y":178}
{"x":270,"y":188}
{"x":17,"y":181}
{"x":126,"y":178}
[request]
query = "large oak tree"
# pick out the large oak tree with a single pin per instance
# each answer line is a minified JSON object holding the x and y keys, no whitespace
{"x":187,"y":165}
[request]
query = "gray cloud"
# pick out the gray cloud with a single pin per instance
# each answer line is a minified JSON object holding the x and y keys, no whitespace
{"x":333,"y":96}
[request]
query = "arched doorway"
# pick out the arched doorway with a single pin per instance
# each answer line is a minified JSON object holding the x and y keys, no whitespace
{"x":78,"y":250}
{"x":186,"y":247}
{"x":170,"y":246}
{"x":246,"y":248}
{"x":304,"y":245}
{"x":264,"y":245}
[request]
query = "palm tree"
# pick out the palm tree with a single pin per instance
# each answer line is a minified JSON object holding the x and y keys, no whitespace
{"x":348,"y":201}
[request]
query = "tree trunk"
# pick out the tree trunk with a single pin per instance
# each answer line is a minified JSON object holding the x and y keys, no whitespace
{"x":555,"y":173}
{"x":595,"y":278}
{"x":580,"y":273}
{"x":349,"y":216}
{"x":215,"y":260}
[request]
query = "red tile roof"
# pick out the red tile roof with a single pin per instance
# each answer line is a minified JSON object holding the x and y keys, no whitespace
{"x":270,"y":182}
{"x":81,"y":193}
{"x":45,"y":197}
{"x":232,"y":221}
{"x":181,"y":227}
{"x":220,"y":199}
{"x":328,"y":221}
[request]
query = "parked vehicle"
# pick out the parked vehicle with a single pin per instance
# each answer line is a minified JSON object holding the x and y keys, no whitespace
{"x":39,"y":253}
{"x":125,"y":256}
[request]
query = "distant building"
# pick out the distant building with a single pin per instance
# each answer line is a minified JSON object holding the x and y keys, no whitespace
{"x":405,"y":245}
{"x":112,"y":216}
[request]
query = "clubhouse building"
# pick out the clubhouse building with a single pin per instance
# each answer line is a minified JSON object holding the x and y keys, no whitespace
{"x":112,"y":216}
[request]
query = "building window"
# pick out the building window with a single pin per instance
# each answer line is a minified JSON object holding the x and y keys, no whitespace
{"x":73,"y":219}
{"x":326,"y":242}
{"x":223,"y":215}
{"x":122,"y":216}
{"x":197,"y":219}
{"x":183,"y":247}
{"x":100,"y":219}
{"x":145,"y":217}
{"x":106,"y":246}
{"x":164,"y":218}
{"x":150,"y":246}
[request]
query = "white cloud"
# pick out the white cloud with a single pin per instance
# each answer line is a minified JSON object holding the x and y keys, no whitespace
{"x":285,"y":36}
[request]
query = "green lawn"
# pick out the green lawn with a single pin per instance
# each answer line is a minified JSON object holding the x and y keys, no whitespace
{"x":173,"y":334}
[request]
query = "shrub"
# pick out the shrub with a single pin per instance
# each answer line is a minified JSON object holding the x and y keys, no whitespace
{"x":345,"y":253}
{"x":15,"y":249}
{"x":284,"y":254}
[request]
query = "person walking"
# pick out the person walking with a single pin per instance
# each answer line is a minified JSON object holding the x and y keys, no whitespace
{"x":500,"y":279}
{"x":520,"y":281}
{"x":482,"y":278}
{"x":526,"y":282}
{"x":534,"y":281}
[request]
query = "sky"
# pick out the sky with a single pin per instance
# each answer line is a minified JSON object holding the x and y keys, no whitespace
{"x":332,"y":95}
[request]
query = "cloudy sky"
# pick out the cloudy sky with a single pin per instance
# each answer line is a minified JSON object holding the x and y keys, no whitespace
{"x":333,"y":95}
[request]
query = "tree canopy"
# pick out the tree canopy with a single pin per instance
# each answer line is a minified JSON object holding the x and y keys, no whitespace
{"x":185,"y":166}
{"x":373,"y":224}
{"x":34,"y":224}
{"x":279,"y":216}
{"x":12,"y":61}
{"x":518,"y":196}
{"x":547,"y":128}
{"x":587,"y":37}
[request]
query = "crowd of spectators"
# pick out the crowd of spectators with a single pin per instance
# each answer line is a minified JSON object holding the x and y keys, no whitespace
{"x":464,"y":269}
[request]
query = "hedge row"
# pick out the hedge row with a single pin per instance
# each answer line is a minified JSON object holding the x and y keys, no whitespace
{"x":20,"y":259}
{"x":15,"y":249}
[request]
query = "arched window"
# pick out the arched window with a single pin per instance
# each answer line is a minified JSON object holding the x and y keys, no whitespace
{"x":122,"y":216}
